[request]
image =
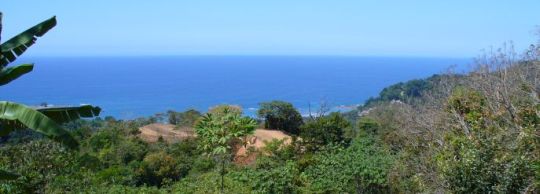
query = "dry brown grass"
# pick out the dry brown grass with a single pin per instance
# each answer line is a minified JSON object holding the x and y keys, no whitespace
{"x":171,"y":134}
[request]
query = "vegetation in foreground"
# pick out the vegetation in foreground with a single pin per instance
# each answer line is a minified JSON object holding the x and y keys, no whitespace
{"x":44,"y":120}
{"x":474,"y":133}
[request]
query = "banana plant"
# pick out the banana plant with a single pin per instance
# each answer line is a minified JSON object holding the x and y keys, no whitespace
{"x":45,"y":120}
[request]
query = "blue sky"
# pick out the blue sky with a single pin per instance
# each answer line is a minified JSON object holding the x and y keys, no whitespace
{"x":431,"y":28}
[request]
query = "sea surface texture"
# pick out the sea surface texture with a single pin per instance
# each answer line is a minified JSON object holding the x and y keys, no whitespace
{"x":131,"y":87}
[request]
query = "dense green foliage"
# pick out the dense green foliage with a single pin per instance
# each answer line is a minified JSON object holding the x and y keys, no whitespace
{"x":324,"y":130}
{"x":360,"y":168}
{"x":38,"y":162}
{"x":281,"y":116}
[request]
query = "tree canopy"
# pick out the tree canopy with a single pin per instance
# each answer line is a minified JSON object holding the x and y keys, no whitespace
{"x":280,"y":115}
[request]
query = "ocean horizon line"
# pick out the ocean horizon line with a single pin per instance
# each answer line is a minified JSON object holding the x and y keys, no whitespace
{"x":257,"y":55}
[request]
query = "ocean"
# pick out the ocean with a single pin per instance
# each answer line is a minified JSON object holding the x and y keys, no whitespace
{"x":131,"y":87}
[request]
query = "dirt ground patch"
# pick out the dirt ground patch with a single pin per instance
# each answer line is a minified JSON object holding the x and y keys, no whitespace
{"x":257,"y":141}
{"x":171,"y":134}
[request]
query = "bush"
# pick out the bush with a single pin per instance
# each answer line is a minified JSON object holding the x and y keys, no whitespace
{"x":368,"y":125}
{"x":281,"y":116}
{"x":279,"y":179}
{"x":184,"y":119}
{"x":209,"y":183}
{"x":160,"y":168}
{"x":112,"y":147}
{"x":122,"y":175}
{"x":361,"y":168}
{"x":323,"y":131}
{"x":477,"y":157}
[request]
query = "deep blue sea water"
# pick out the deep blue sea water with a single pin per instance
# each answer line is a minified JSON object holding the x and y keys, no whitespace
{"x":130,"y":87}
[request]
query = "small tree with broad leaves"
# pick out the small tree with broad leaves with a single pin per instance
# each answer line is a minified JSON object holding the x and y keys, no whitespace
{"x":219,"y":132}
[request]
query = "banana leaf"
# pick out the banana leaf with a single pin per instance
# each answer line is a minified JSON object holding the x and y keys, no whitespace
{"x":70,"y":113}
{"x":11,"y":73}
{"x":16,"y":46}
{"x":13,"y":116}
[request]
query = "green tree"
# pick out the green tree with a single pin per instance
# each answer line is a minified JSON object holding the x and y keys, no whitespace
{"x":113,"y":147}
{"x":184,"y":119}
{"x":218,"y":132}
{"x":323,"y":131}
{"x":17,"y":116}
{"x":280,"y":115}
